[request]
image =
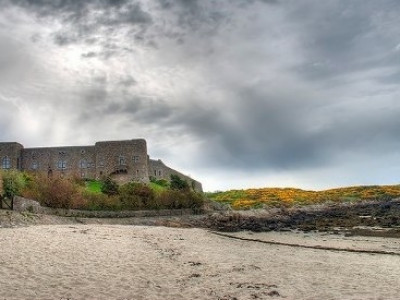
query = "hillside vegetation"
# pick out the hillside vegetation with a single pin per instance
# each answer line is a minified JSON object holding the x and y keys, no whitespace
{"x":287,"y":197}
{"x":103,"y":194}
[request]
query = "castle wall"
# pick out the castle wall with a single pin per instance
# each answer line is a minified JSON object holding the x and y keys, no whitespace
{"x":61,"y":161}
{"x":158,"y":170}
{"x":124,"y":161}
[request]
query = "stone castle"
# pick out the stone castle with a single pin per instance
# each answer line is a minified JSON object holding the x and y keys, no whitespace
{"x":123,"y":161}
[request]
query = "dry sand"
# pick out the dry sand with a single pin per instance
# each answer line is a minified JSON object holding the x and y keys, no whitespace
{"x":138,"y":262}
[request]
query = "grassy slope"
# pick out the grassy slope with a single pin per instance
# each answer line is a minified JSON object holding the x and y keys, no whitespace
{"x":94,"y":186}
{"x":156,"y":187}
{"x":256,"y":198}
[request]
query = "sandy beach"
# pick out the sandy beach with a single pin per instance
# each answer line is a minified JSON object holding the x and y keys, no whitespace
{"x":141,"y":262}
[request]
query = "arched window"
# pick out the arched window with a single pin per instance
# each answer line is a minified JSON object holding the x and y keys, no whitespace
{"x":6,"y":163}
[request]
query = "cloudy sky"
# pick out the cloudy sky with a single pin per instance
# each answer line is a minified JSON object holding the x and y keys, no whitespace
{"x":235,"y":93}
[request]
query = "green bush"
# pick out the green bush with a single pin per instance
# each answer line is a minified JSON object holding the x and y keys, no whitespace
{"x":170,"y":199}
{"x":160,"y":182}
{"x":128,"y":197}
{"x":109,"y":187}
{"x":13,"y":183}
{"x":136,"y":196}
{"x":55,"y":192}
{"x":178,"y":184}
{"x":175,"y":199}
{"x":98,"y":201}
{"x":195,"y":200}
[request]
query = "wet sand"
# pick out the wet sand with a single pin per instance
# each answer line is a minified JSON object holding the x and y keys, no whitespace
{"x":140,"y":262}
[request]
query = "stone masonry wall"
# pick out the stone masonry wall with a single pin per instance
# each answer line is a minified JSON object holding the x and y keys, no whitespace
{"x":122,"y":159}
{"x":61,"y":161}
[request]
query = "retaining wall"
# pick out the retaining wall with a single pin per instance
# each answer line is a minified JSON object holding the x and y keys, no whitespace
{"x":22,"y":204}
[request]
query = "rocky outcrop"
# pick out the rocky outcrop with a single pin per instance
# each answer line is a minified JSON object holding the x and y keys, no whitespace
{"x":321,"y":217}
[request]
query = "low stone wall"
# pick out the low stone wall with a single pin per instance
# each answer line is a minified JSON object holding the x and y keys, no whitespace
{"x":22,"y":204}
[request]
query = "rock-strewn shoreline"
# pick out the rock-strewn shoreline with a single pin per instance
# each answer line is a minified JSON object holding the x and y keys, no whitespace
{"x":355,"y":218}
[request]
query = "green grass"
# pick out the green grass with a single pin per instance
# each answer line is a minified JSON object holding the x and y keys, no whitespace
{"x":94,"y":186}
{"x":156,"y":187}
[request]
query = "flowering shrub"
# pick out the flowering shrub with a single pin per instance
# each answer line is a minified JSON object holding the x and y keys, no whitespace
{"x":286,"y":197}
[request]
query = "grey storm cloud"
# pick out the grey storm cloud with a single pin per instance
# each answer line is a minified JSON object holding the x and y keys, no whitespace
{"x":84,"y":20}
{"x":350,"y":36}
{"x":254,"y":86}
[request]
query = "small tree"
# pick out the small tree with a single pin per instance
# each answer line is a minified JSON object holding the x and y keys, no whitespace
{"x":110,"y":187}
{"x":13,"y":183}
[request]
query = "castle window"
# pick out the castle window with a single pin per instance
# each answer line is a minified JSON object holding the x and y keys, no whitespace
{"x":155,"y":172}
{"x":6,"y":163}
{"x":83,"y":164}
{"x":35,"y":165}
{"x":136,"y":159}
{"x":122,"y":160}
{"x":62,"y":164}
{"x":159,"y":172}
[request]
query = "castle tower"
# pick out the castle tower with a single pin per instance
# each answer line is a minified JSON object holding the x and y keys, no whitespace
{"x":122,"y":160}
{"x":11,"y":156}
